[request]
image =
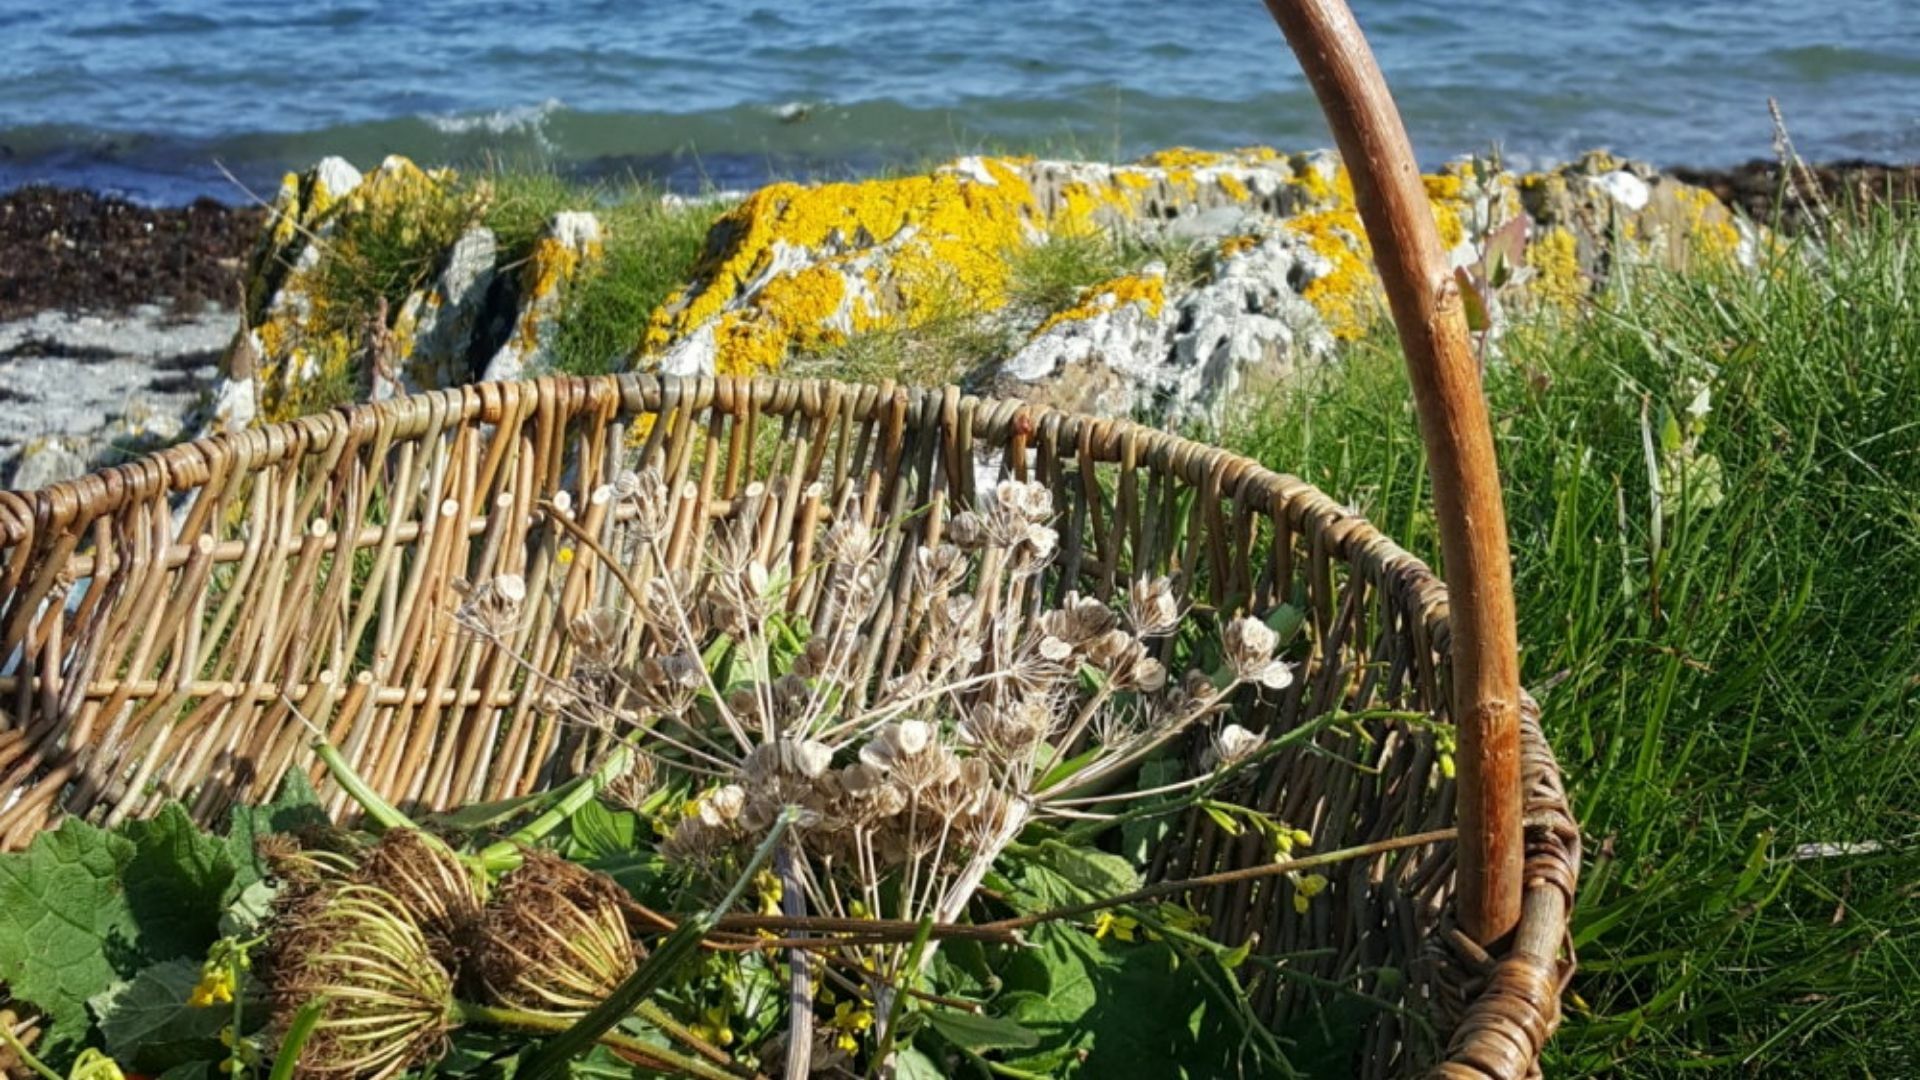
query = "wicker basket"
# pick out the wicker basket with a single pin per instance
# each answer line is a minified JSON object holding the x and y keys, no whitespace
{"x":157,"y":618}
{"x":151,"y":638}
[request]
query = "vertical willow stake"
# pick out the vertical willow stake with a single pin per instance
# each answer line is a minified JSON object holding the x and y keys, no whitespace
{"x":1431,"y":317}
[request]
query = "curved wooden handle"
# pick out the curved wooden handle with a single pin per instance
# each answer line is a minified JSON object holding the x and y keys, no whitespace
{"x":1428,"y":310}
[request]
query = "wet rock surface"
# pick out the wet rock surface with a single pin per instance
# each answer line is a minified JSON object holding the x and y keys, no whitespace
{"x":83,"y":391}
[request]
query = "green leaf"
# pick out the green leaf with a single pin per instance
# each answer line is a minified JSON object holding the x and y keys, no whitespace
{"x":972,"y":1031}
{"x":150,"y":1014}
{"x":1478,"y":320}
{"x":911,"y":1064}
{"x":479,"y":816}
{"x":599,"y":832}
{"x":248,"y":912}
{"x":1141,"y":836}
{"x":65,"y":925}
{"x":1095,"y":873}
{"x":1168,"y":1027}
{"x":176,"y":884}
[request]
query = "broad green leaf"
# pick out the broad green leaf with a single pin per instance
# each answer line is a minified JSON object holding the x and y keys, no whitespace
{"x":150,"y":1014}
{"x":1139,"y":837}
{"x":976,"y":1032}
{"x":599,"y":832}
{"x":911,"y":1064}
{"x":1095,"y":873}
{"x":65,"y":924}
{"x":176,"y":884}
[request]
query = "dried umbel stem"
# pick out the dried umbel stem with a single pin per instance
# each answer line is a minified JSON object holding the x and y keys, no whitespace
{"x":554,"y":941}
{"x":386,"y":1002}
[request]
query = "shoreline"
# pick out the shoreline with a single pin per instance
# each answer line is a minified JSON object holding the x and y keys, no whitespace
{"x":84,"y":251}
{"x":114,"y":316}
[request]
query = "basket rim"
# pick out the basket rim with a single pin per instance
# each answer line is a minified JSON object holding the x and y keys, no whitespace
{"x":1508,"y":1016}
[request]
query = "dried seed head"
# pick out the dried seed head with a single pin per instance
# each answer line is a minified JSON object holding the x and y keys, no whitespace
{"x":385,"y":1000}
{"x":493,"y":608}
{"x":597,"y":635}
{"x":1232,"y":745}
{"x":938,"y":569}
{"x":554,"y":940}
{"x":629,"y":790}
{"x":909,"y":753}
{"x":647,"y":493}
{"x":1068,"y":630}
{"x":850,"y":542}
{"x":1249,"y":645}
{"x":1152,"y":608}
{"x":431,"y":882}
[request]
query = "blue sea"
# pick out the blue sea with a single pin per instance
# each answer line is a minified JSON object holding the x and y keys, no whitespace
{"x":165,"y":100}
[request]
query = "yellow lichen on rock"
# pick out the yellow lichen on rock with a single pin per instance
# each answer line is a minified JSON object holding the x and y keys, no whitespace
{"x":768,"y":265}
{"x":1147,"y":290}
{"x":1557,"y":278}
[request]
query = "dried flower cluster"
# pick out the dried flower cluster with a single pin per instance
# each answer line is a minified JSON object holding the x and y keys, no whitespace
{"x":908,"y":689}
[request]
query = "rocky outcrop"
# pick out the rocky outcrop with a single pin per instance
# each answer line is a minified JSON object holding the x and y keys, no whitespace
{"x":1284,"y":273}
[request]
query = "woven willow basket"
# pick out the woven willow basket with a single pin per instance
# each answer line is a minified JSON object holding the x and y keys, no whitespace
{"x":157,"y":617}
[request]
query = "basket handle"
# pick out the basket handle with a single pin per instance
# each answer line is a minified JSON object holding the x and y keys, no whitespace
{"x":1428,"y":310}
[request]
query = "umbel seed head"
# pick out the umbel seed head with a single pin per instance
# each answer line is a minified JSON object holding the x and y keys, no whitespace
{"x":554,"y":940}
{"x":386,"y":1002}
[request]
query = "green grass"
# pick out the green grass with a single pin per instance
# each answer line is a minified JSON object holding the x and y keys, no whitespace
{"x":650,"y":251}
{"x":1722,"y":683}
{"x":1050,"y":276}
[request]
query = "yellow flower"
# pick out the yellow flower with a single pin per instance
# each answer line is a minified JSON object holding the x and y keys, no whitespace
{"x":214,"y":988}
{"x":715,"y":1026}
{"x":565,"y":557}
{"x":1120,"y":926}
{"x":767,"y":883}
{"x":1305,"y":888}
{"x":850,"y":1021}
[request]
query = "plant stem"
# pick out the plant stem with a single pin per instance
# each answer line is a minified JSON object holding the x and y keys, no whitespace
{"x":909,"y":974}
{"x":793,"y":904}
{"x":647,"y":1054}
{"x":1229,"y":877}
{"x":20,"y":1050}
{"x":505,"y":854}
{"x":295,"y":1040}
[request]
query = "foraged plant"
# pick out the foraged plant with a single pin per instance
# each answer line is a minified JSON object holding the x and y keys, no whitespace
{"x":553,"y":941}
{"x":385,"y":1003}
{"x":916,"y":705}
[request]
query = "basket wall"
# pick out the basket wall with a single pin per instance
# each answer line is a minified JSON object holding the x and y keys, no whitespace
{"x":156,"y":618}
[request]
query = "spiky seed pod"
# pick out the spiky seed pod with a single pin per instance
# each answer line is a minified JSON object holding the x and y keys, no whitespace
{"x":554,"y":940}
{"x":386,"y":1003}
{"x":427,"y":878}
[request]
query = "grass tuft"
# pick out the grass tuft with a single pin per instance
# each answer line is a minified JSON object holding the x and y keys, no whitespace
{"x":1721,"y":618}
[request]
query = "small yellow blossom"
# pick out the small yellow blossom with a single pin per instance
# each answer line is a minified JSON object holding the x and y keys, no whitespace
{"x":767,"y":884}
{"x":715,"y":1026}
{"x":565,"y":557}
{"x":214,"y":988}
{"x":850,"y":1021}
{"x":1305,"y":888}
{"x":1120,"y":926}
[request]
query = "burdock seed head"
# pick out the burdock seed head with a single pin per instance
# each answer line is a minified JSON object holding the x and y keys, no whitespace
{"x":386,"y":1003}
{"x":436,"y":888}
{"x":553,"y":940}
